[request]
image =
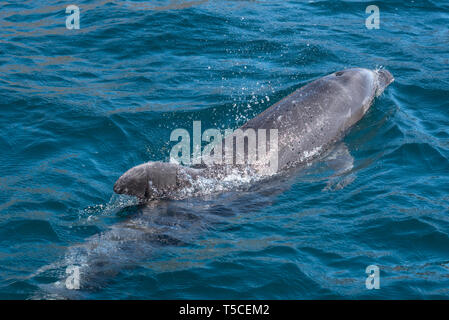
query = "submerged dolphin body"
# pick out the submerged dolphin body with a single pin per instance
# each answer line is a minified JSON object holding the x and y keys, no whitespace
{"x":151,"y":236}
{"x":309,"y":122}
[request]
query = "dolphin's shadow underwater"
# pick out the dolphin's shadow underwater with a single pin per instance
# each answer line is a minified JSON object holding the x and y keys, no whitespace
{"x":167,"y":221}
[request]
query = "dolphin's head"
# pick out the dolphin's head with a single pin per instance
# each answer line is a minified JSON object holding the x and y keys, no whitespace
{"x":361,"y":86}
{"x":367,"y":82}
{"x":134,"y":182}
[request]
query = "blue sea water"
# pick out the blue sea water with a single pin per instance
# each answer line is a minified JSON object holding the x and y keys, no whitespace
{"x":80,"y":107}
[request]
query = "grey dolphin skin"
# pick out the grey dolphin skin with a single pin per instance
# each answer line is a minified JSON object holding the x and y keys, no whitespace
{"x":309,"y":122}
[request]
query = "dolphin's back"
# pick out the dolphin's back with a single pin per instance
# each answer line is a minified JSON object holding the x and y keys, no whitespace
{"x":316,"y":115}
{"x":308,"y":122}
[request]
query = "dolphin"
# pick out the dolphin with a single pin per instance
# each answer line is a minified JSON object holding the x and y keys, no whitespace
{"x":309,"y":122}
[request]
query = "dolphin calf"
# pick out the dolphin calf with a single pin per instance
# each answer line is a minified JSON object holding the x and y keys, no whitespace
{"x":309,"y":122}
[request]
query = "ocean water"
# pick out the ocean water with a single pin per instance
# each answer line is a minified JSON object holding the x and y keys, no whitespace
{"x":79,"y":107}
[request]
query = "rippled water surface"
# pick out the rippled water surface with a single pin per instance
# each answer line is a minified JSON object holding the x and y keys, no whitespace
{"x":79,"y":107}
